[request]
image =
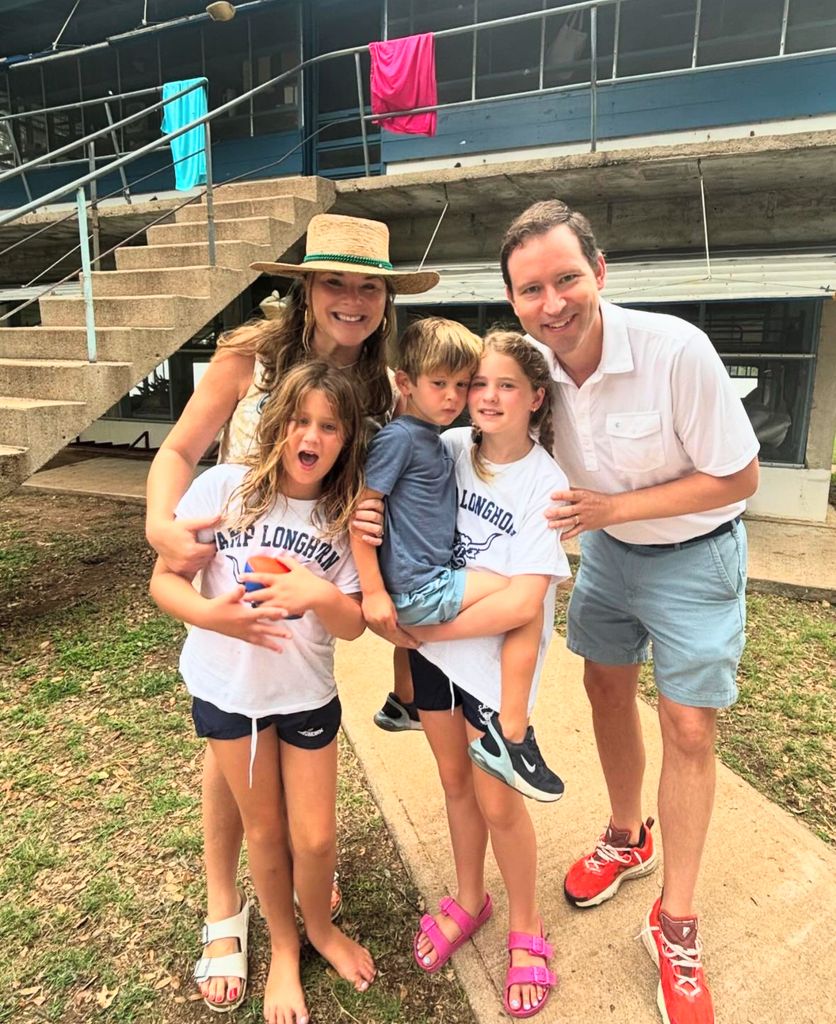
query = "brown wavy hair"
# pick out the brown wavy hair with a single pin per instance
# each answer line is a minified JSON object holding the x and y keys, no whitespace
{"x":285,"y":342}
{"x":539,"y":219}
{"x":263,"y":485}
{"x":536,"y":370}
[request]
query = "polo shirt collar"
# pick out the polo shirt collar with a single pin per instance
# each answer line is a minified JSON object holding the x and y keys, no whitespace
{"x":616,"y":353}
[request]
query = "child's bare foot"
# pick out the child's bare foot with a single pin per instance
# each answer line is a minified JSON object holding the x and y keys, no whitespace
{"x":348,"y":958}
{"x":284,"y":1000}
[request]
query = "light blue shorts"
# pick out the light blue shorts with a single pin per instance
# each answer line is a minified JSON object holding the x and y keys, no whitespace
{"x":688,"y":602}
{"x":437,"y":601}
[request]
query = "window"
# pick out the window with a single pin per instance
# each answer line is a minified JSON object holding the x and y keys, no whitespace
{"x":226,"y":46}
{"x":454,"y":54}
{"x":276,"y":47}
{"x":7,"y":152}
{"x":138,"y":68}
{"x":27,"y":93}
{"x":811,"y":25}
{"x":769,"y":350}
{"x":656,"y":35}
{"x":98,"y":76}
{"x":64,"y":87}
{"x":732,"y":30}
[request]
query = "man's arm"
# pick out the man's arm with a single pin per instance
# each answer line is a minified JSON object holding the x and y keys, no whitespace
{"x":697,"y":492}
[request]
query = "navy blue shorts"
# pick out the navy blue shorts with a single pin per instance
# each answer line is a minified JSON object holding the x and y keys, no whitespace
{"x":435,"y":692}
{"x":310,"y":730}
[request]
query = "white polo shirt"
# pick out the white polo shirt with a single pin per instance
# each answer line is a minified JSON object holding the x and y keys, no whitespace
{"x":659,"y":406}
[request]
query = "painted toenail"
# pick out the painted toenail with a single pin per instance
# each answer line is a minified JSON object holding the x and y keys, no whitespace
{"x":526,"y":1006}
{"x":233,"y":993}
{"x":515,"y":1003}
{"x":426,"y":960}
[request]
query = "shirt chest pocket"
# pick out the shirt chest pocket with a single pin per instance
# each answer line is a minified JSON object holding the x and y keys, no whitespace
{"x":636,"y":440}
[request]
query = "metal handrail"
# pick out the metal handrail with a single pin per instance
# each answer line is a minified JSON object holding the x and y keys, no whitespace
{"x":198,"y":83}
{"x":82,"y":103}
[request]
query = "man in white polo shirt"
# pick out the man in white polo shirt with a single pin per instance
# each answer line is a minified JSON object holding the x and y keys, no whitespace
{"x":661,"y":457}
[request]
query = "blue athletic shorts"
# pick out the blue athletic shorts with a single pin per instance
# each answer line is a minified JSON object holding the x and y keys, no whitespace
{"x":310,"y":730}
{"x":687,"y":603}
{"x":437,"y":601}
{"x":435,"y":692}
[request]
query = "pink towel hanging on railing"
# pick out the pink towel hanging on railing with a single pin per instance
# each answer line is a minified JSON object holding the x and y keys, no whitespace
{"x":403,"y":77}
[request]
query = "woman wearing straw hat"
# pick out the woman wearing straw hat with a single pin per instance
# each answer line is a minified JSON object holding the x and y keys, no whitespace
{"x":340,"y":308}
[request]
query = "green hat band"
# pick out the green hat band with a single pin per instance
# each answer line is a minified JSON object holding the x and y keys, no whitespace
{"x":338,"y":257}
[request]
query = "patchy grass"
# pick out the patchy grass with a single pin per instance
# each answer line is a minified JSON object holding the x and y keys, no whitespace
{"x":781,"y":734}
{"x":101,"y":896}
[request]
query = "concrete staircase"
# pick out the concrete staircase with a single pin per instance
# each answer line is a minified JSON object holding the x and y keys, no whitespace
{"x":159,"y":296}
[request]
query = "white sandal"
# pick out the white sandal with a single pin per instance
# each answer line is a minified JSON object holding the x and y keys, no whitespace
{"x":232,"y":965}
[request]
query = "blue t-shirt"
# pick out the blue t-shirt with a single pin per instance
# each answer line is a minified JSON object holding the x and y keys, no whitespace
{"x":409,"y":465}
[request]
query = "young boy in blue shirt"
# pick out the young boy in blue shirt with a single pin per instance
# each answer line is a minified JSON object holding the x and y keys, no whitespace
{"x":409,"y":580}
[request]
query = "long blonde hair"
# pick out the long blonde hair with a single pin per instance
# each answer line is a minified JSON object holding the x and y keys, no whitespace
{"x":287,"y":341}
{"x":536,"y":370}
{"x":263,"y":485}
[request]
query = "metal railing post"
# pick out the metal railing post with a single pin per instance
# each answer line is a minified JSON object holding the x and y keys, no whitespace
{"x":94,"y":202}
{"x":362,"y":105}
{"x":126,"y":192}
{"x":210,"y":202}
{"x":593,"y":79}
{"x":86,"y":276}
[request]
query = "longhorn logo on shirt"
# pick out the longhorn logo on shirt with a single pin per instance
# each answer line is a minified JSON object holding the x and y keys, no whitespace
{"x":465,"y":549}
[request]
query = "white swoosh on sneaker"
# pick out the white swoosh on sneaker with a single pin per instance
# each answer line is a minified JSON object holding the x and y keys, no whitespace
{"x":530,"y":767}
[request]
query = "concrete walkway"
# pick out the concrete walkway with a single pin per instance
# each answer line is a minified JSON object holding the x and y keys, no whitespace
{"x":768,"y":886}
{"x":767,"y":890}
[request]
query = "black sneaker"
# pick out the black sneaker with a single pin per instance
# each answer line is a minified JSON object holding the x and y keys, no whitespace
{"x":518,"y":765}
{"x":395,"y":716}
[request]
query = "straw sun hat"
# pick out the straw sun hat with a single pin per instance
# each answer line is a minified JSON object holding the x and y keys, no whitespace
{"x":355,"y":246}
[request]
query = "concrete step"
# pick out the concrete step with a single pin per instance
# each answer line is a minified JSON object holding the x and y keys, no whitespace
{"x":113,"y":344}
{"x":128,"y":311}
{"x":14,"y":467}
{"x":63,"y":379}
{"x":193,"y":281}
{"x":285,"y":208}
{"x":234,"y":255}
{"x":322,"y":191}
{"x":248,"y":229}
{"x":39,"y":424}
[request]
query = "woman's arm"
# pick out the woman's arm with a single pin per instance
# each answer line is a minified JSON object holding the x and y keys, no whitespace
{"x":226,"y":614}
{"x":513,"y":606}
{"x":223,"y":385}
{"x":299,"y":590}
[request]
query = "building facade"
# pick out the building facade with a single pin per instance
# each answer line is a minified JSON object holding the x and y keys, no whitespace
{"x":698,"y":135}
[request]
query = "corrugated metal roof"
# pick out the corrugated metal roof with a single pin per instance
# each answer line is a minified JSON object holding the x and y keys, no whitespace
{"x":782,"y":276}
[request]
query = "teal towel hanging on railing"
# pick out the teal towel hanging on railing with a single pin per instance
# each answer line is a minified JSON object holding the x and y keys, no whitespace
{"x":187,"y":149}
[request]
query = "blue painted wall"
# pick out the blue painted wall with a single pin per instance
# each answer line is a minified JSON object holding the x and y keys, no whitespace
{"x":229,"y":159}
{"x":787,"y":89}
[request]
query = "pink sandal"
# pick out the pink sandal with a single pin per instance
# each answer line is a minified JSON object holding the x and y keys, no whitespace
{"x":542,"y":976}
{"x":443,"y":947}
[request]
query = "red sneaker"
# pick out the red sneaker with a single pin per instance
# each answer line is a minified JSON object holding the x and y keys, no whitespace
{"x":673,"y":943}
{"x":596,"y":877}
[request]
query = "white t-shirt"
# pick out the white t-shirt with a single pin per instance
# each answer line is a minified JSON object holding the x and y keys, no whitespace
{"x":240,"y":677}
{"x":501,"y":528}
{"x":659,"y":406}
